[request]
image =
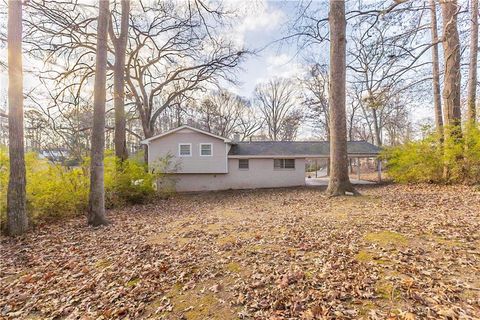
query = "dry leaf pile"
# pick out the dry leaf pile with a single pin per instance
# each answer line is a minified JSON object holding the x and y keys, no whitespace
{"x":397,"y":252}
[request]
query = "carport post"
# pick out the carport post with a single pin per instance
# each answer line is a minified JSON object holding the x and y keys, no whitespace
{"x":379,"y":166}
{"x":358,"y":168}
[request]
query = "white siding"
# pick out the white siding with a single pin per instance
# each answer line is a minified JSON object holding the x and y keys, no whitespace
{"x":260,"y":174}
{"x":217,"y":163}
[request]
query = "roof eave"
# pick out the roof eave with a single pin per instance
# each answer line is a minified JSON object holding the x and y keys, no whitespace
{"x":158,"y":136}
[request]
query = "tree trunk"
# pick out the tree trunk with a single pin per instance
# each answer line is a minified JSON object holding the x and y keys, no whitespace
{"x":451,"y":51}
{"x":376,"y":127}
{"x":472,"y":73}
{"x":148,"y":133}
{"x":451,"y":48}
{"x":339,"y":182}
{"x":437,"y":100}
{"x":96,"y":212}
{"x":120,"y":46}
{"x":17,"y":221}
{"x":451,"y":87}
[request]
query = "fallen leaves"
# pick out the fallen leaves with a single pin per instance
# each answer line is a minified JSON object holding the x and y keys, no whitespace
{"x":397,"y":252}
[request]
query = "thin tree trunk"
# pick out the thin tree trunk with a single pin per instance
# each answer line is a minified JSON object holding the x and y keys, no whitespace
{"x":120,"y":46}
{"x":472,"y":73}
{"x":96,"y":212}
{"x":148,"y":133}
{"x":451,"y":51}
{"x":339,"y":182}
{"x":376,"y":127}
{"x":437,"y":100}
{"x":17,"y":221}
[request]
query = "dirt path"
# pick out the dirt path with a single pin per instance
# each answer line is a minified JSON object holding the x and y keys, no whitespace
{"x":399,"y":252}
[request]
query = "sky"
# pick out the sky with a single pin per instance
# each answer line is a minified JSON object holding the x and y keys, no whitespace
{"x":259,"y":31}
{"x":262,"y":28}
{"x":261,"y":25}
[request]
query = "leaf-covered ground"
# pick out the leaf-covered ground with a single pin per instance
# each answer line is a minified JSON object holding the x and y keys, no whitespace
{"x":397,"y":252}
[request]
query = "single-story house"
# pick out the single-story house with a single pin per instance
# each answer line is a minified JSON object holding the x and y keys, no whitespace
{"x":210,"y":162}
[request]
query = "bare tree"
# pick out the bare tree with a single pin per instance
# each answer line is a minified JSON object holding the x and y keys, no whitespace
{"x":276,"y":101}
{"x":386,"y":62}
{"x":174,"y":54}
{"x":291,"y":125}
{"x":220,"y":113}
{"x":249,"y":124}
{"x":17,"y":222}
{"x":36,"y":134}
{"x":120,"y":48}
{"x":339,"y":182}
{"x":96,"y":209}
{"x":316,"y":98}
{"x":173,"y":50}
{"x":437,"y":99}
{"x":472,"y":75}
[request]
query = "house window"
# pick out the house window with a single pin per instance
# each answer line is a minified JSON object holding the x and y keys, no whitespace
{"x":243,"y":164}
{"x":185,"y":149}
{"x":205,"y":149}
{"x":284,"y":163}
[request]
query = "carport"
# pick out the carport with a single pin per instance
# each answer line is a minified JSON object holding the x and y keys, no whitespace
{"x":358,"y":151}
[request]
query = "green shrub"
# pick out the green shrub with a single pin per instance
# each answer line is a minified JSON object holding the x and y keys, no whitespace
{"x":55,"y":190}
{"x":471,"y":155}
{"x":52,"y":190}
{"x":456,"y":160}
{"x":4,"y":167}
{"x":127,"y":183}
{"x":418,"y":161}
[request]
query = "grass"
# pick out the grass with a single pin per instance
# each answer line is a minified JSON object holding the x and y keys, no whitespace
{"x":387,"y":291}
{"x":386,"y":237}
{"x":133,"y":282}
{"x":446,"y":242}
{"x":198,"y":304}
{"x":103,"y":264}
{"x":234,"y":267}
{"x":364,"y":256}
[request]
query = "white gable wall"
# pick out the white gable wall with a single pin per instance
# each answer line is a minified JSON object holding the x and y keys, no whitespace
{"x":260,"y":174}
{"x":169,"y":144}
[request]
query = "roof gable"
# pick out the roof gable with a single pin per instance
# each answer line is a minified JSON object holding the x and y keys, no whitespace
{"x":161,"y":135}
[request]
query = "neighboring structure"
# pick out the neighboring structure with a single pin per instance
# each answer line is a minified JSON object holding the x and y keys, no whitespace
{"x":210,"y":162}
{"x":57,"y":155}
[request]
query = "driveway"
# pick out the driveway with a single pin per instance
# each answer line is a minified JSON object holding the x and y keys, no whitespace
{"x":324,"y":181}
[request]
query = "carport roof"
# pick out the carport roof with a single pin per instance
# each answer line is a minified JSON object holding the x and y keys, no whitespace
{"x":299,"y":149}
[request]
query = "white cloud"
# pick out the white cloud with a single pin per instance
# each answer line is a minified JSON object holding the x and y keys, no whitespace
{"x":278,"y":60}
{"x":254,"y":17}
{"x":282,"y":65}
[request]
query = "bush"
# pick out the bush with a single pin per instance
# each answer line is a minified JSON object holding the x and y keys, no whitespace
{"x":52,"y":190}
{"x":419,"y":161}
{"x":127,"y":183}
{"x":455,"y":161}
{"x":55,"y":190}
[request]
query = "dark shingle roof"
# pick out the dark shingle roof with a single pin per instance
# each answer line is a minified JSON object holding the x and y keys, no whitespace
{"x":298,"y":148}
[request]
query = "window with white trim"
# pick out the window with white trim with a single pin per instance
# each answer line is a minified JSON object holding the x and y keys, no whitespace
{"x":206,"y":149}
{"x":243,"y":164}
{"x":185,"y":149}
{"x":284,"y":163}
